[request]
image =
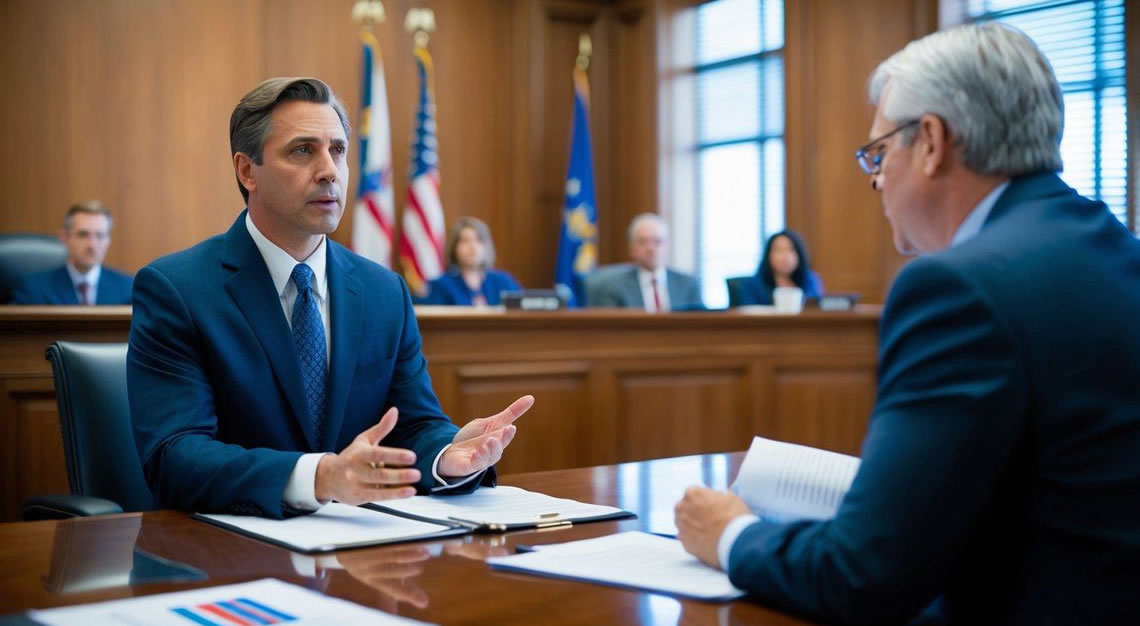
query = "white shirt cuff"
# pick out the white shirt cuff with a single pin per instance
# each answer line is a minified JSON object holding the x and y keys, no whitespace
{"x":306,"y":565}
{"x":442,"y":484}
{"x":730,"y":535}
{"x":301,"y":490}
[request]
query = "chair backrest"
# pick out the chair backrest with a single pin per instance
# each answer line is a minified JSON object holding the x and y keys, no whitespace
{"x":95,"y":418}
{"x":22,"y":254}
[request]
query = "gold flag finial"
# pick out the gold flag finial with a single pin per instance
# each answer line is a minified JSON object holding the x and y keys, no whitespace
{"x":585,"y":49}
{"x":368,"y":12}
{"x":421,"y":22}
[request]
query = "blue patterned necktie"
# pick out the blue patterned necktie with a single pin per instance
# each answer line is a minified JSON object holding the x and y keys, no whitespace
{"x":309,"y":336}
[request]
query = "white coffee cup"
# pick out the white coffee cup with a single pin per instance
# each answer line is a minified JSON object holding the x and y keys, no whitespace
{"x":788,"y":299}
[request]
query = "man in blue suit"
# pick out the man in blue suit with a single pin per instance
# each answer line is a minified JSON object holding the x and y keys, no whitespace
{"x":257,"y":354}
{"x":83,"y":279}
{"x":1000,"y":477}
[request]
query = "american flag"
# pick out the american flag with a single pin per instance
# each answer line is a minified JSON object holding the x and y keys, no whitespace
{"x":374,"y":216}
{"x":421,"y":240}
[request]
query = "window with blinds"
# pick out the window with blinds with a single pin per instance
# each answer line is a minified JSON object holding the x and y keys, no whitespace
{"x":1084,"y":41}
{"x":739,"y":79}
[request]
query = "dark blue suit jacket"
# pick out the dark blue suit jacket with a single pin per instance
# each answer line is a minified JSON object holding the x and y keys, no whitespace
{"x":450,"y":288}
{"x":1002,"y":464}
{"x":215,"y":382}
{"x":54,"y":287}
{"x":748,"y":290}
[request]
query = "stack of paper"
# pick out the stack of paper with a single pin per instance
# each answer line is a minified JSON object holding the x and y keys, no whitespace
{"x":785,"y":481}
{"x":333,"y":527}
{"x":634,"y":559}
{"x":490,"y":509}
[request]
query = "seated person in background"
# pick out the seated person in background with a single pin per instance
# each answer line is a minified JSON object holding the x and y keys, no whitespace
{"x":470,"y":280}
{"x":83,"y":280}
{"x":646,"y":283}
{"x":784,"y":264}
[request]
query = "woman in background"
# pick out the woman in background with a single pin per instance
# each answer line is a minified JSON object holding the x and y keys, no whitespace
{"x":784,"y":264}
{"x":470,"y":279}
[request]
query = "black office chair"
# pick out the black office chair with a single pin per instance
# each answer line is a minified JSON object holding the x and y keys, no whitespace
{"x":24,"y":253}
{"x":103,"y":469}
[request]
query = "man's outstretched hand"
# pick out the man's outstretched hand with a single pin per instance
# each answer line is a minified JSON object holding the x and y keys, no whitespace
{"x":480,"y":443}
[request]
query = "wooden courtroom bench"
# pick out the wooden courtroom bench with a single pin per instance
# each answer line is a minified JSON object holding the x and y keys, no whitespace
{"x":611,"y":385}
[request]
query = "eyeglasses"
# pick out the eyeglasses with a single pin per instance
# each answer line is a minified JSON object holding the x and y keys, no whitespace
{"x":870,"y":162}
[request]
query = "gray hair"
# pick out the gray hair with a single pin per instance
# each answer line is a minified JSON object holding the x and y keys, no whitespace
{"x":90,"y":207}
{"x":646,"y":217}
{"x":249,"y":123}
{"x":992,"y":88}
{"x":481,"y":230}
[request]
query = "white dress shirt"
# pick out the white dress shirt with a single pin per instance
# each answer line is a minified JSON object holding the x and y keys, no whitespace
{"x":969,"y":227}
{"x":300,"y":491}
{"x":91,"y":278}
{"x":645,"y":279}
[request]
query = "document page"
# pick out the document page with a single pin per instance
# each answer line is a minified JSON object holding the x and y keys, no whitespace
{"x":266,"y":601}
{"x":499,"y":505}
{"x":633,"y":559}
{"x":333,"y":526}
{"x":785,"y":481}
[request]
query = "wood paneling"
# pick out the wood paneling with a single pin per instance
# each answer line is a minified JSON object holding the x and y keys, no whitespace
{"x":610,"y":385}
{"x":831,"y":49}
{"x":130,"y":102}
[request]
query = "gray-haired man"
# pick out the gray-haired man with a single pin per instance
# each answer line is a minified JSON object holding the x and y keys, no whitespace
{"x":1001,"y":473}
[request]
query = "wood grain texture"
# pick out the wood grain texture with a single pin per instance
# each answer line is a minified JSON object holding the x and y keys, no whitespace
{"x":611,"y":386}
{"x":129,"y":102}
{"x":48,"y":564}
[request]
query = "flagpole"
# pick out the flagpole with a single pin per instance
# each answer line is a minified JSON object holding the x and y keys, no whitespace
{"x":422,"y":227}
{"x":373,"y":211}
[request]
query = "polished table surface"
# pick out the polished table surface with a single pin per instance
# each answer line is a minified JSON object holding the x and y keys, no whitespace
{"x":46,"y":564}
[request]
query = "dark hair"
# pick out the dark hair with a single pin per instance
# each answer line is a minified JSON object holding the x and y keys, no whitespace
{"x":249,"y":123}
{"x":799,"y":275}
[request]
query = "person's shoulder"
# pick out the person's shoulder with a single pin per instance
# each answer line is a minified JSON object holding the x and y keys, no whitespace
{"x":502,"y":277}
{"x":192,"y":260}
{"x":681,"y":276}
{"x":42,"y":278}
{"x":35,"y":288}
{"x":115,"y":275}
{"x":365,"y":270}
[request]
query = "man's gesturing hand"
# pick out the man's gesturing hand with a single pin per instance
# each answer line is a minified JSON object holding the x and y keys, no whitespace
{"x":480,"y":443}
{"x":365,"y":472}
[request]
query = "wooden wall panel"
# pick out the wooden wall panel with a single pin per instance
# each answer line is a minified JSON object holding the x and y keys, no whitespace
{"x":822,"y":407}
{"x":670,"y":409}
{"x":831,"y":50}
{"x":129,"y":102}
{"x":551,"y":433}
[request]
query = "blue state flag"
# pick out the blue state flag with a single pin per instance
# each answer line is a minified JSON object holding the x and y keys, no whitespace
{"x":578,"y":241}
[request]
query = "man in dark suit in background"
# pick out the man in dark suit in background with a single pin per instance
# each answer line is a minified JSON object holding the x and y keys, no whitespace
{"x":646,"y":283}
{"x":83,"y":280}
{"x":258,"y":353}
{"x":1001,"y":470}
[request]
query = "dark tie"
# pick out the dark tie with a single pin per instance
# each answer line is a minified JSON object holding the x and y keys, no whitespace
{"x":84,"y":293}
{"x":309,"y":336}
{"x":656,"y":295}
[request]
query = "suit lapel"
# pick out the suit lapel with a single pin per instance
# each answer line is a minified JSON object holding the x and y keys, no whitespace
{"x":633,"y":287}
{"x":345,"y":311}
{"x":252,"y":289}
{"x":61,"y":283}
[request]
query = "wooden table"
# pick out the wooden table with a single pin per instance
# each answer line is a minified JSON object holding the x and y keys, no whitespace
{"x":611,"y":385}
{"x":46,"y":564}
